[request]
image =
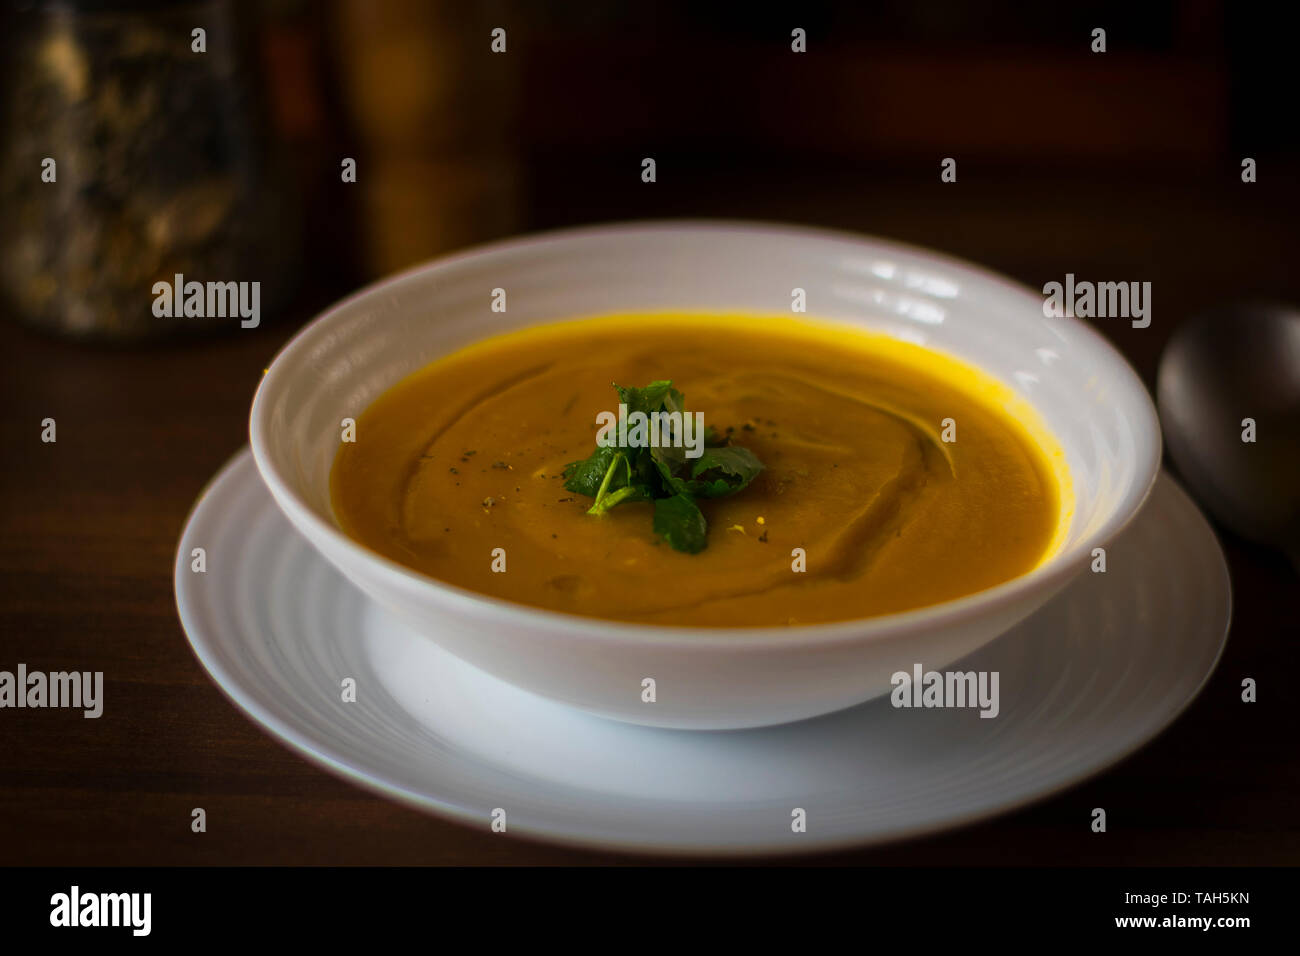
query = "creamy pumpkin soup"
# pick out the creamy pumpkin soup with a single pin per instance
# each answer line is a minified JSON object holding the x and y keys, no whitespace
{"x":813,"y":473}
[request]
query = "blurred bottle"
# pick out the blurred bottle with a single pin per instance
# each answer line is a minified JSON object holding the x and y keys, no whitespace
{"x":433,"y":109}
{"x":160,"y":166}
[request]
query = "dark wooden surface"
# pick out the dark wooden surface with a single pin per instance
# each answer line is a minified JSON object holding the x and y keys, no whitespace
{"x":90,"y":526}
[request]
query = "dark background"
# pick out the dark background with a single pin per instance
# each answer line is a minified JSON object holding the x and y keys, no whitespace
{"x":1116,"y":166}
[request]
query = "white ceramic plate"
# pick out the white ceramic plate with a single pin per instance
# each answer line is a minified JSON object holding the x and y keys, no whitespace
{"x":1093,"y":675}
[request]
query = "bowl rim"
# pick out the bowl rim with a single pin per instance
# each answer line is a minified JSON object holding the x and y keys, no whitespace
{"x":1054,"y":572}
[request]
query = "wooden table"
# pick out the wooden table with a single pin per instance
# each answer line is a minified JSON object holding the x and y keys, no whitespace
{"x":91,"y":522}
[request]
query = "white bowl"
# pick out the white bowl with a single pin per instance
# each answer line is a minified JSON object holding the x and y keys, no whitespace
{"x":706,"y":678}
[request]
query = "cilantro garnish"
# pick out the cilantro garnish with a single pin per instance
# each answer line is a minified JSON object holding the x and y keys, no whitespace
{"x":665,"y":475}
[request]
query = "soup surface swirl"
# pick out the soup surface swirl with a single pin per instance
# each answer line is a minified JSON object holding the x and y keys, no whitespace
{"x":860,"y":486}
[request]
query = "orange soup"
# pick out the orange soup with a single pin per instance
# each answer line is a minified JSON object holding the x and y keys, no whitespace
{"x":893,"y":477}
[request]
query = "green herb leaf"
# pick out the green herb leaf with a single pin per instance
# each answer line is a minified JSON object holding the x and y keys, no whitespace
{"x":655,"y":397}
{"x":681,"y":523}
{"x":609,"y":477}
{"x":726,"y":470}
{"x":717,"y":473}
{"x":618,"y":486}
{"x":584,"y":477}
{"x":613,"y":475}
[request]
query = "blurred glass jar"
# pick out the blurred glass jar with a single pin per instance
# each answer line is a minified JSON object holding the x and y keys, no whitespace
{"x":160,"y":166}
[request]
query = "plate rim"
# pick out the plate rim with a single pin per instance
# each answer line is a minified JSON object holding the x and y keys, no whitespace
{"x":285,"y":733}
